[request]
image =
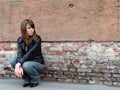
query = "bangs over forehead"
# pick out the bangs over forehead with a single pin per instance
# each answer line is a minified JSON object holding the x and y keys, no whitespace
{"x":31,"y":23}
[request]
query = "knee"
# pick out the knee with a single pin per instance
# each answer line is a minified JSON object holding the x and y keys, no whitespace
{"x":26,"y":66}
{"x":13,"y":62}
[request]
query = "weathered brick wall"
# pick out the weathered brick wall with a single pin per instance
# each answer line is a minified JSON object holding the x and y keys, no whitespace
{"x":81,"y":62}
{"x":72,"y":31}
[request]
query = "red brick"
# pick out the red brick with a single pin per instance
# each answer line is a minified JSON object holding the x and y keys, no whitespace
{"x":2,"y":55}
{"x":116,"y":50}
{"x":7,"y":68}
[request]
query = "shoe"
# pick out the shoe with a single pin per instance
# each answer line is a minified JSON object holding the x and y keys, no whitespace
{"x":33,"y":84}
{"x":26,"y":84}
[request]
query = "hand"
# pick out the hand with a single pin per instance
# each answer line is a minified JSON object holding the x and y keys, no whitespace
{"x":18,"y":65}
{"x":18,"y":70}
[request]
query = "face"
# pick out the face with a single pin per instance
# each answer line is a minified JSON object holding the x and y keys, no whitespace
{"x":30,"y":30}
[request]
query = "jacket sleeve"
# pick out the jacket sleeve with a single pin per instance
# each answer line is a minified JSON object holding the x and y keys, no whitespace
{"x":30,"y":52}
{"x":20,"y":51}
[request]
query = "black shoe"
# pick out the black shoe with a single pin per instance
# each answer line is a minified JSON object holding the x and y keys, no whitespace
{"x":33,"y":84}
{"x":26,"y":84}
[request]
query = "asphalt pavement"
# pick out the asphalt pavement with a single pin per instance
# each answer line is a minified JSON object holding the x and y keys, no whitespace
{"x":16,"y":84}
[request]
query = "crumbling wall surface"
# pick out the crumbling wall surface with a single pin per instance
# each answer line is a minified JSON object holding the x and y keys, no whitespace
{"x":80,"y":38}
{"x":80,"y":62}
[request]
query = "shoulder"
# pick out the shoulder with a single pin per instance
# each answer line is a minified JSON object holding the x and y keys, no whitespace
{"x":19,"y":40}
{"x":38,"y":38}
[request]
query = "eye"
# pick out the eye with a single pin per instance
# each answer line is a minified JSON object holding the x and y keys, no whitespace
{"x":29,"y":27}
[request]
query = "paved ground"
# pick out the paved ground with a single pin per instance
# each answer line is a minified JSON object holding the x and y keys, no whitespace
{"x":16,"y":84}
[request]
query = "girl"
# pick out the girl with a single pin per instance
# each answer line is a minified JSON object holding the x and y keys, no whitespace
{"x":29,"y":61}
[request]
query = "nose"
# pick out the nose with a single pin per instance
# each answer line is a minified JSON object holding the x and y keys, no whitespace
{"x":31,"y":29}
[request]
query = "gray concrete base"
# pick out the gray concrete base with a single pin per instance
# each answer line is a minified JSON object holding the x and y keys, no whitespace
{"x":16,"y":84}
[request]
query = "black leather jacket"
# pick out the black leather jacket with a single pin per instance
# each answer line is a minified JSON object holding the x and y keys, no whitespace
{"x":32,"y":54}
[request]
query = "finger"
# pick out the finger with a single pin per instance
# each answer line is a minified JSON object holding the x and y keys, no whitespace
{"x":22,"y":72}
{"x":17,"y":73}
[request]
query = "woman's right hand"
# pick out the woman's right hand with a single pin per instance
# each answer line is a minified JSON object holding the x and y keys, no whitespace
{"x":18,"y":70}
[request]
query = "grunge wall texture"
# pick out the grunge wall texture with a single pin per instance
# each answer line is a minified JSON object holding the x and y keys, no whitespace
{"x":80,"y":38}
{"x":62,"y":20}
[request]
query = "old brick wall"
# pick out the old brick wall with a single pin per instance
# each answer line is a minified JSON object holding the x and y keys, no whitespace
{"x":80,"y":38}
{"x":78,"y":62}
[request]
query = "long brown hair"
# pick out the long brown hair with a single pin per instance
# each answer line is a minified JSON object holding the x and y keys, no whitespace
{"x":27,"y":39}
